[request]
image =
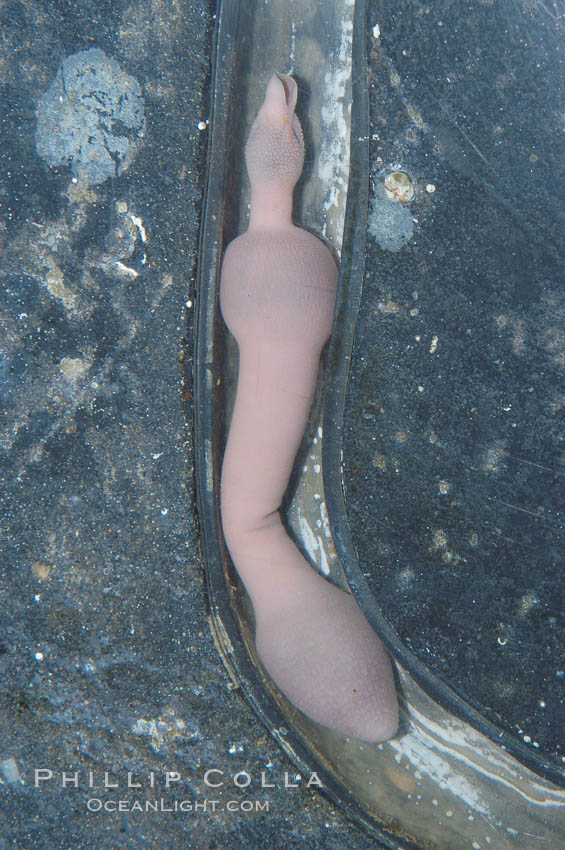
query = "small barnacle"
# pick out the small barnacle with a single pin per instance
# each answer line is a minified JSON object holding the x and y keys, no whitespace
{"x":399,"y":187}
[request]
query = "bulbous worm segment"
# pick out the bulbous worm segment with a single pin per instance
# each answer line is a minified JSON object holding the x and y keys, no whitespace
{"x":277,"y":295}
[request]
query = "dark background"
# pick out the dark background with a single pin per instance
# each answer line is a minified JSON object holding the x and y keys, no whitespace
{"x":453,"y":445}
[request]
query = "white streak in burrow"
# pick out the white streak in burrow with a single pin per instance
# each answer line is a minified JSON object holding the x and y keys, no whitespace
{"x":425,"y":756}
{"x":325,"y":520}
{"x":314,"y":546}
{"x":333,"y":161}
{"x":292,"y":45}
{"x":444,"y":751}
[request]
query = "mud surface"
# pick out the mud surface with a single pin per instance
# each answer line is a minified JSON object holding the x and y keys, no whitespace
{"x":453,"y":446}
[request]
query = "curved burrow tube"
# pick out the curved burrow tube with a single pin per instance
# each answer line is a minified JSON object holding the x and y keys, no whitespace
{"x":397,"y":791}
{"x":277,"y":296}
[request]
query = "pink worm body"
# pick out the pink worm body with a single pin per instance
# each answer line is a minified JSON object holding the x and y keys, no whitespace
{"x":277,"y":295}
